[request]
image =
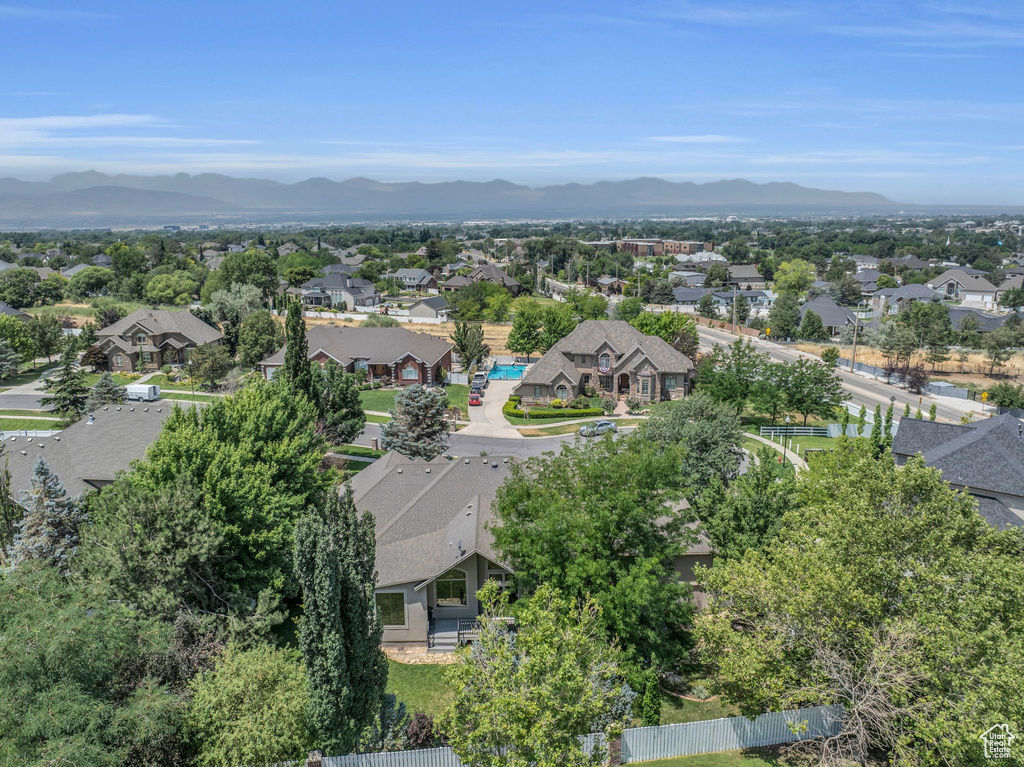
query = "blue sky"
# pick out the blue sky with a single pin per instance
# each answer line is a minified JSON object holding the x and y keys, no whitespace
{"x":919,"y":100}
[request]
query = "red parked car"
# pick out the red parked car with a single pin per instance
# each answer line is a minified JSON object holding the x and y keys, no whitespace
{"x":474,"y":399}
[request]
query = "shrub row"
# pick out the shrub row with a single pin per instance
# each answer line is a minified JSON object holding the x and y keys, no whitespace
{"x":510,"y":409}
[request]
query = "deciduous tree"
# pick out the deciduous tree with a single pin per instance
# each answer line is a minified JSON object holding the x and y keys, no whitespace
{"x":341,"y":416}
{"x":469,"y":342}
{"x":525,"y":700}
{"x":630,"y":487}
{"x":259,"y":336}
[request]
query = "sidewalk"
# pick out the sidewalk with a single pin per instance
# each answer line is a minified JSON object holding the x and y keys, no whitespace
{"x":796,"y":460}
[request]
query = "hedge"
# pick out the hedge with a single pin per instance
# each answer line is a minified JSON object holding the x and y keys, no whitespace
{"x":566,"y":414}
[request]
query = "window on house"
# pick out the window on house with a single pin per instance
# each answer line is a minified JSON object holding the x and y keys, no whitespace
{"x":119,"y":360}
{"x":361,"y":365}
{"x":561,"y":391}
{"x":147,"y":357}
{"x":645,"y":385}
{"x":140,"y":338}
{"x":583,"y":359}
{"x":409,"y":373}
{"x":391,"y":608}
{"x":536,"y":392}
{"x":605,"y":362}
{"x":605,"y":382}
{"x":451,"y":588}
{"x":586,"y":379}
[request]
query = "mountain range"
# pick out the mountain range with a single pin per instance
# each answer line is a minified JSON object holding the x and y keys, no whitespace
{"x":92,"y":196}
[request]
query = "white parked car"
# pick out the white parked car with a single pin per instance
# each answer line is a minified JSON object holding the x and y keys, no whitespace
{"x":597,"y":428}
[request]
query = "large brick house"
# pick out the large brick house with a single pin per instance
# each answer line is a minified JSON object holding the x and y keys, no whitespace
{"x":613,"y":357}
{"x":396,"y":353}
{"x":148,"y":339}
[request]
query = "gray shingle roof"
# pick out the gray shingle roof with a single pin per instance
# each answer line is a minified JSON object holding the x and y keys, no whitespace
{"x":434,"y":302}
{"x":741,"y":273}
{"x":983,"y":456}
{"x":87,"y":455}
{"x":968,"y":281}
{"x":379,"y":346}
{"x":832,"y":314}
{"x":590,"y":335}
{"x":913,"y":291}
{"x":987,"y":322}
{"x":6,"y":308}
{"x":158,"y":321}
{"x":418,"y":514}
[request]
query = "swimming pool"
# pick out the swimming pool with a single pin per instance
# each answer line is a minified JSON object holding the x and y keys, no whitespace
{"x":506,"y":372}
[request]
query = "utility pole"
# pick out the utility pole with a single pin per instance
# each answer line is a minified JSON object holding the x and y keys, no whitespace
{"x":735,"y":324}
{"x":853,"y":353}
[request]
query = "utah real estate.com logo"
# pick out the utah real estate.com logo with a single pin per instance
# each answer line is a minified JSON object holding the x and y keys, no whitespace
{"x":997,"y":741}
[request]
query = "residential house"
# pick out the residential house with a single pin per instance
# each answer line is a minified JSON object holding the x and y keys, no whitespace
{"x":414,"y":279}
{"x":213,"y":263}
{"x":985,"y":459}
{"x":985,"y":322}
{"x":82,"y":455}
{"x":435,"y":307}
{"x":10,"y":311}
{"x":340,"y":268}
{"x":688,"y":279}
{"x":958,"y":285}
{"x":68,"y":272}
{"x":435,"y":545}
{"x":747,"y":277}
{"x":910,"y":262}
{"x":613,"y":357}
{"x":396,"y":353}
{"x":833,"y":316}
{"x":488,"y":272}
{"x":102,"y":259}
{"x":338,"y":291}
{"x":148,"y":339}
{"x":895,"y":300}
{"x":868,"y":279}
{"x":865,"y":262}
{"x":1013,"y":282}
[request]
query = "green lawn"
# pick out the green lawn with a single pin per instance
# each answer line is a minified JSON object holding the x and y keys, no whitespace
{"x":18,"y":424}
{"x":754,"y":757}
{"x":22,"y":413}
{"x":358,"y":450}
{"x":381,"y":400}
{"x":119,"y":379}
{"x":679,"y":711}
{"x":26,"y":376}
{"x":370,"y":418}
{"x":186,"y":396}
{"x":420,"y":687}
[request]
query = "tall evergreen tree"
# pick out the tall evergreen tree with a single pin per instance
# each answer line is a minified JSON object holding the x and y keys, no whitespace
{"x":877,"y":437}
{"x":341,"y":411}
{"x":297,"y":368}
{"x":417,"y":428}
{"x":67,"y":390}
{"x":10,"y":361}
{"x":10,"y":512}
{"x":784,"y":318}
{"x":811,"y":327}
{"x":105,"y":392}
{"x":49,"y":529}
{"x":340,"y":633}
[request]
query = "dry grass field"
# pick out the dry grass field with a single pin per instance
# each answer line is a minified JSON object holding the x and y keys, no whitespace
{"x":495,"y":336}
{"x":971,"y":372}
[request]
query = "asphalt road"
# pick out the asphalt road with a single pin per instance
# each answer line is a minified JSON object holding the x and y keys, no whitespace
{"x":860,"y":389}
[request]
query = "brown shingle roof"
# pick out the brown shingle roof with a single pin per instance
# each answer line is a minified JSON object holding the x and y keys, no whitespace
{"x":379,"y":346}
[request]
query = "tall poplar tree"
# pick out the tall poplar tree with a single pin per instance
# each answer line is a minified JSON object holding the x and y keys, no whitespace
{"x":297,"y":369}
{"x":340,"y":633}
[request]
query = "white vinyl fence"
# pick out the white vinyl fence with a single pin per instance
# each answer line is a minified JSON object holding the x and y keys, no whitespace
{"x":642,"y":744}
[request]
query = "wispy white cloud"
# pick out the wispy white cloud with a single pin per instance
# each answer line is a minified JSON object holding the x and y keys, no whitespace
{"x":710,"y":138}
{"x":67,"y":131}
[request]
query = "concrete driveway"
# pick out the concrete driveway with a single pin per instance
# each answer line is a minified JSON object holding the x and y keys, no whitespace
{"x":487,"y":420}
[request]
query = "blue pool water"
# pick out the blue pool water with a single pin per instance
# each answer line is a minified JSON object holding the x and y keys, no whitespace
{"x":506,"y":372}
